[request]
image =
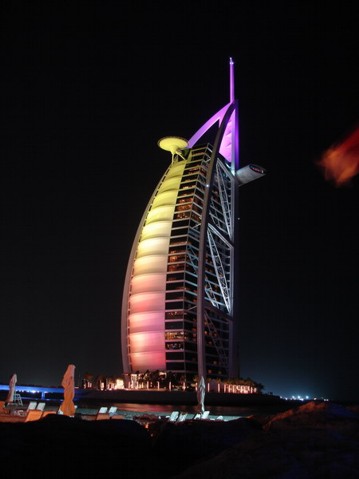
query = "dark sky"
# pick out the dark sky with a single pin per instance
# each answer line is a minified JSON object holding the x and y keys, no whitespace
{"x":87,"y":90}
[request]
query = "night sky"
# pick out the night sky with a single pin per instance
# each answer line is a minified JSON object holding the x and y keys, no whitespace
{"x":87,"y":90}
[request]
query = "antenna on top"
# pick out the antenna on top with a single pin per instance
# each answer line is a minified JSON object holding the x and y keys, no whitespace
{"x":231,"y":79}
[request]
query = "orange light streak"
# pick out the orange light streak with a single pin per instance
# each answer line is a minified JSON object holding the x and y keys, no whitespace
{"x":340,"y":163}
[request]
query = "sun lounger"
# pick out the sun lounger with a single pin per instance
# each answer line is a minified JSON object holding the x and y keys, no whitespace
{"x":173,"y":417}
{"x":205,"y":415}
{"x":41,"y":406}
{"x":50,"y":411}
{"x":102,"y":413}
{"x":22,"y":411}
{"x":17,"y":399}
{"x":33,"y":415}
{"x":182,"y":416}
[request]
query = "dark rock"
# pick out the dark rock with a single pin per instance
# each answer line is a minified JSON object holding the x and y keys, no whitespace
{"x":314,"y":414}
{"x":57,"y":445}
{"x":185,"y":443}
{"x":312,"y":441}
{"x":316,"y":441}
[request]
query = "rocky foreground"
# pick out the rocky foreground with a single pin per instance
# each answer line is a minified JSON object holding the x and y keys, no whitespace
{"x":314,"y":440}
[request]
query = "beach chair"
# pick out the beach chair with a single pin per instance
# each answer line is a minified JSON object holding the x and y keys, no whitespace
{"x":33,"y":415}
{"x":197,"y":416}
{"x":54,"y":411}
{"x":50,"y":411}
{"x":41,"y":406}
{"x":173,"y":417}
{"x":112,"y":411}
{"x":18,"y":399}
{"x":25,"y":412}
{"x":205,"y":415}
{"x":182,"y":416}
{"x":102,"y":413}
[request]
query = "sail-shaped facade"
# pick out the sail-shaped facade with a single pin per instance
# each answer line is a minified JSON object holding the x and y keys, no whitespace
{"x":179,"y":308}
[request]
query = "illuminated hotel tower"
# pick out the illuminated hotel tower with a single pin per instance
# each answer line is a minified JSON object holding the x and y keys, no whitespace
{"x":179,"y":309}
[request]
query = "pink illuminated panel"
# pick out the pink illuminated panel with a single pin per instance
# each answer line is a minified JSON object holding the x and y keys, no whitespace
{"x":146,"y":305}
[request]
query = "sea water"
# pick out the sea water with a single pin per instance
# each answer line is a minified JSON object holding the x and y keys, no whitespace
{"x":128,"y":410}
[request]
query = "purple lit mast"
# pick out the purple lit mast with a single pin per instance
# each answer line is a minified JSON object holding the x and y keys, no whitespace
{"x":229,"y":143}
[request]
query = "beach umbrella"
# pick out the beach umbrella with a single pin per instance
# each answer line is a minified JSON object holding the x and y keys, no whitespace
{"x":68,"y":383}
{"x":201,"y":392}
{"x":11,"y":393}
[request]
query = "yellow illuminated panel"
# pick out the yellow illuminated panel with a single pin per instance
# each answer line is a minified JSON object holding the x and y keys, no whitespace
{"x":146,"y":316}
